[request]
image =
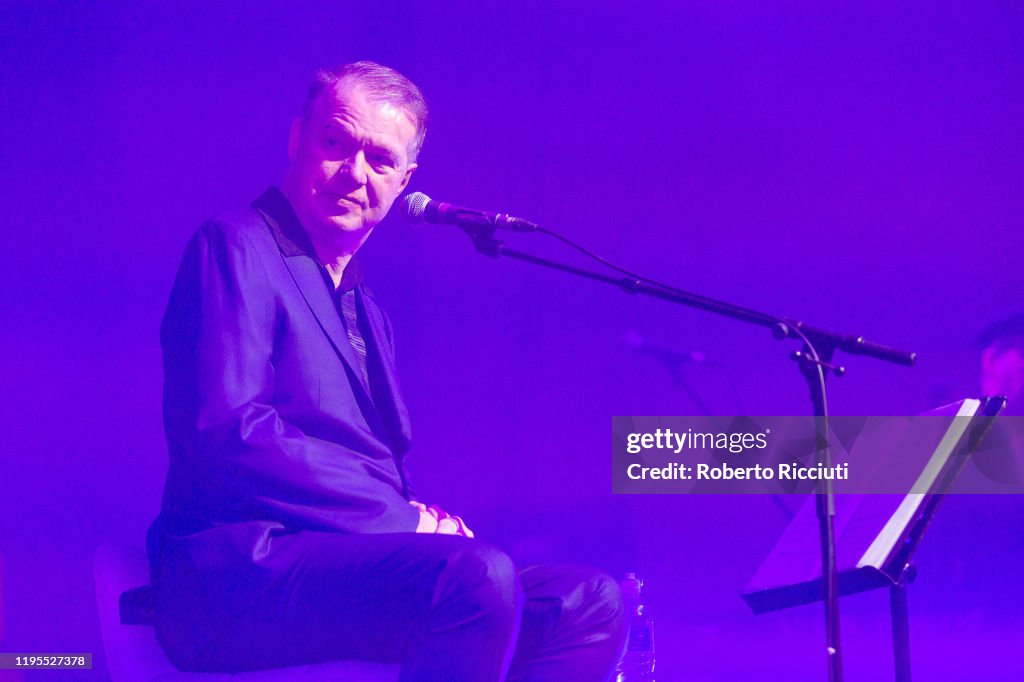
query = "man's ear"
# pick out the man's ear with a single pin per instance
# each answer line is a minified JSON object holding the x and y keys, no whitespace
{"x":405,"y":180}
{"x":293,"y":138}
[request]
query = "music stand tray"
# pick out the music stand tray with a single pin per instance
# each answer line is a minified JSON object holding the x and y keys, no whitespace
{"x":877,"y":534}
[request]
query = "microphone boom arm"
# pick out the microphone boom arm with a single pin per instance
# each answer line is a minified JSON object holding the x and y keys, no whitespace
{"x":814,"y":361}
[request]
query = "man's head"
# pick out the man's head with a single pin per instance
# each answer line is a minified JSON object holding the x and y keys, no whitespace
{"x":1002,"y":361}
{"x":353,"y":151}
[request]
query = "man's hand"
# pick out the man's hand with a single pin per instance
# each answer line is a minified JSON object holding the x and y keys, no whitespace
{"x":433,"y":519}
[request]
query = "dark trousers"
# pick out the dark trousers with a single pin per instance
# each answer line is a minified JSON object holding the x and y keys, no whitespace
{"x":448,"y":608}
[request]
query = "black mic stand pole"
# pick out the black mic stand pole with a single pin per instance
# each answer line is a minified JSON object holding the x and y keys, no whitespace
{"x":814,"y":361}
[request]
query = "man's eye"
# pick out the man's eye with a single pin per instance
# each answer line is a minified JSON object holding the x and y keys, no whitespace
{"x":332,"y":142}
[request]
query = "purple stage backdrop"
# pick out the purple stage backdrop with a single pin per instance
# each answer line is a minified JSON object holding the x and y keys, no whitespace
{"x":857,"y":165}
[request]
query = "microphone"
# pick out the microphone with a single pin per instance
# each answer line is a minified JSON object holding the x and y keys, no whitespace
{"x":420,"y":208}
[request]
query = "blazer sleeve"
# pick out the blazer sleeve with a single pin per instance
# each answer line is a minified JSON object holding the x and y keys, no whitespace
{"x":233,"y":458}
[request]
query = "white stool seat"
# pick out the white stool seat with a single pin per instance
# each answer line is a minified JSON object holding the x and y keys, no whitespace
{"x":134,"y":655}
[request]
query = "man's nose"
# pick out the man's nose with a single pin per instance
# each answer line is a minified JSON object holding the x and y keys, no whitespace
{"x":355,"y":167}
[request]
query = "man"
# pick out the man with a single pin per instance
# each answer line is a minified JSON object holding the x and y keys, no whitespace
{"x":288,"y":532}
{"x":1000,"y":456}
{"x":1002,"y":362}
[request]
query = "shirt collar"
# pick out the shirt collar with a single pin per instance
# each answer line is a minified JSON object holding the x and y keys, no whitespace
{"x":293,"y":240}
{"x":291,"y":237}
{"x":351,"y":277}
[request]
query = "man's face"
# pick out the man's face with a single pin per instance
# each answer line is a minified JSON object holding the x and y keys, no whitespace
{"x":349,"y":162}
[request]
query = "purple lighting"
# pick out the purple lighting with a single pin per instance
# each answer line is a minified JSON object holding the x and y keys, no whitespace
{"x":858,"y":167}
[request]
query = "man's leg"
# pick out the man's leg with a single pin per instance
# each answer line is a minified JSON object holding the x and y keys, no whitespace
{"x":573,"y":625}
{"x":446,"y":607}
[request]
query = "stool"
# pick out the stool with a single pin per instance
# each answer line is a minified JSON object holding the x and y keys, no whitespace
{"x":134,"y":655}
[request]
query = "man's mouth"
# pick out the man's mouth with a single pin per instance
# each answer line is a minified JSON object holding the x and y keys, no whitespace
{"x":344,"y":202}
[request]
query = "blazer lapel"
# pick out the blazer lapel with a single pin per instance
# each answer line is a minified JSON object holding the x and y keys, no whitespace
{"x":299,"y":257}
{"x":310,"y":282}
{"x":391,"y":405}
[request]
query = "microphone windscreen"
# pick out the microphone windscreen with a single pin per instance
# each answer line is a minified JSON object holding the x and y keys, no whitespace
{"x":415,"y":205}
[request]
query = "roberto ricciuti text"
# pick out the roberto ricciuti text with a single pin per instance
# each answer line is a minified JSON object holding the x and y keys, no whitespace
{"x":725,"y":472}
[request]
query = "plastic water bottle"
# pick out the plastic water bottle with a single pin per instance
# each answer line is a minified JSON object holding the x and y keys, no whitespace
{"x":638,"y":663}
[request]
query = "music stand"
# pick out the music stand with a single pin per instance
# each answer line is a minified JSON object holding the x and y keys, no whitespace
{"x":877,"y":534}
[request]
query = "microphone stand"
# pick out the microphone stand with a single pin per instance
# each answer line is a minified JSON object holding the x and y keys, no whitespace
{"x":814,"y":360}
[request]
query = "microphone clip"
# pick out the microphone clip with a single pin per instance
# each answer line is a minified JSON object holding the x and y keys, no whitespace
{"x":483,"y":239}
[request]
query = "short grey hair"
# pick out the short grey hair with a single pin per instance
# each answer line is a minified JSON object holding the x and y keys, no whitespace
{"x":384,"y":85}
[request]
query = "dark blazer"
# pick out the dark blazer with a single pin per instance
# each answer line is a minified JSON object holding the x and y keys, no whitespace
{"x":270,"y":426}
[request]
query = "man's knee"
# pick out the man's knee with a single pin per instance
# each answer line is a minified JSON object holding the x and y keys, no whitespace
{"x":604,"y":597}
{"x":482,"y":578}
{"x":591,"y":601}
